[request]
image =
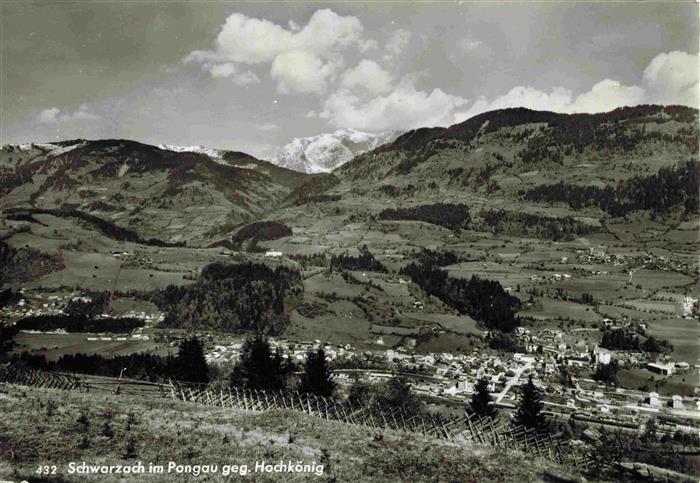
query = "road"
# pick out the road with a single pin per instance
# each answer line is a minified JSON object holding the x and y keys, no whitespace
{"x":512,"y":381}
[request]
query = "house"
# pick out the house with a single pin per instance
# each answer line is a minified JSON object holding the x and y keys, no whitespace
{"x":274,"y":254}
{"x":654,"y":400}
{"x":523,"y":358}
{"x":603,"y":358}
{"x":663,"y":369}
{"x":465,"y":386}
{"x":677,"y":402}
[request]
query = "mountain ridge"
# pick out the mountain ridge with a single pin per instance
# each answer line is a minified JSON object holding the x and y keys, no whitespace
{"x":325,"y":152}
{"x":155,"y":191}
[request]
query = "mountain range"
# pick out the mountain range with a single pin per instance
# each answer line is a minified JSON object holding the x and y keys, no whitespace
{"x":325,"y":152}
{"x":197,"y":195}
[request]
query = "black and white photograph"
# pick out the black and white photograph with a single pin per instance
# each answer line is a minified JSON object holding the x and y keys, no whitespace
{"x":360,"y":241}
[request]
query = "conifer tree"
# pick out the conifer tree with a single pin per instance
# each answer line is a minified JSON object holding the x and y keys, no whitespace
{"x":529,"y":411}
{"x":259,"y":367}
{"x":190,"y":362}
{"x":317,"y":377}
{"x":397,"y":393}
{"x":480,"y":402}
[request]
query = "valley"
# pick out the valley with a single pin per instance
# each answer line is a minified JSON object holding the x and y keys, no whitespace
{"x":351,"y":258}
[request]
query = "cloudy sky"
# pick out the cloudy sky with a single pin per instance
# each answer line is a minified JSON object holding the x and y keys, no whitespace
{"x":251,"y":76}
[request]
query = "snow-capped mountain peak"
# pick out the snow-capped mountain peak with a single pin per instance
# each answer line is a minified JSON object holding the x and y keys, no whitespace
{"x":215,"y":154}
{"x":325,"y":152}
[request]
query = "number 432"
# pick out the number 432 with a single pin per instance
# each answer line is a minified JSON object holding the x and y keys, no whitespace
{"x":46,"y":470}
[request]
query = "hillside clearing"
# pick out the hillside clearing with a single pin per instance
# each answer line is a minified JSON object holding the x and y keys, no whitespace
{"x":165,"y":431}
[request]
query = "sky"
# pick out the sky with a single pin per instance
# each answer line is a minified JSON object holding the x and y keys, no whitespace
{"x":251,"y":76}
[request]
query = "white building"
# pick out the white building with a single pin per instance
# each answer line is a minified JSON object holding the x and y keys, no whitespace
{"x":603,"y":358}
{"x":687,"y":305}
{"x":465,"y":386}
{"x":654,"y":400}
{"x":663,"y":369}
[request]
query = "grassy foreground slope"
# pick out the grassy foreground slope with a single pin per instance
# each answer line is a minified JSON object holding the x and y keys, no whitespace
{"x":45,"y":427}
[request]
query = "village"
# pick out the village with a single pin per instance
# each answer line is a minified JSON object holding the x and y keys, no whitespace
{"x":559,"y":362}
{"x":444,"y":378}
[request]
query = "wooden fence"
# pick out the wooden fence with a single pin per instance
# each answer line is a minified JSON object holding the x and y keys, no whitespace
{"x":28,"y":377}
{"x":465,"y":430}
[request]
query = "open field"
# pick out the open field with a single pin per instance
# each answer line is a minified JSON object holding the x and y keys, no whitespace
{"x":548,"y":309}
{"x":54,"y":346}
{"x":459,"y":324}
{"x":683,"y":333}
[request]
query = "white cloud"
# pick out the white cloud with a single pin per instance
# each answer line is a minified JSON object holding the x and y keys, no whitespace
{"x":54,"y":115}
{"x":245,"y":78}
{"x":201,"y":57}
{"x":48,"y":116}
{"x":403,"y":108}
{"x":367,"y":75}
{"x":302,"y":58}
{"x":222,"y":70}
{"x":467,"y":45}
{"x":300,"y":71}
{"x":605,"y":94}
{"x":267,"y":127}
{"x":396,"y":44}
{"x":368,"y":45}
{"x":250,"y":40}
{"x":670,"y":78}
{"x":168,"y":93}
{"x":558,"y":99}
{"x":229,"y":69}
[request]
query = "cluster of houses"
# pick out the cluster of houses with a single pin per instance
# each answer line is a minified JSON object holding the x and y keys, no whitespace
{"x":50,"y":305}
{"x":598,"y":256}
{"x":32,"y":306}
{"x":296,"y":351}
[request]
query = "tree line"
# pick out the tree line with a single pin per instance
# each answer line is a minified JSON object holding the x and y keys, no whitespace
{"x":74,"y":323}
{"x":510,"y":223}
{"x":449,"y":215}
{"x":619,"y":339}
{"x":189,"y":364}
{"x":660,"y":192}
{"x":365,"y":261}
